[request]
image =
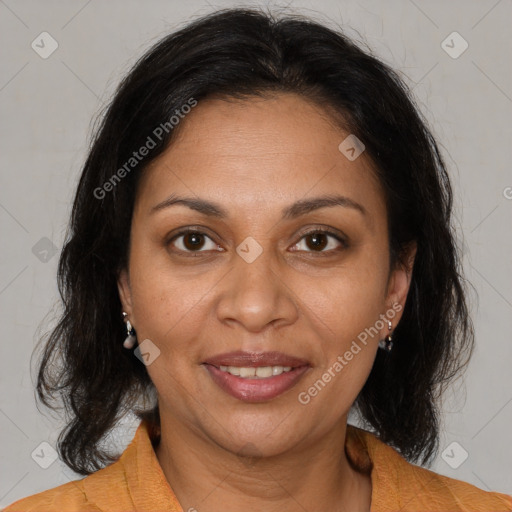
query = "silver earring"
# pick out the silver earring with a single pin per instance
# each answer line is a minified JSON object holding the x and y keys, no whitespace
{"x":387,"y":342}
{"x":130,"y":339}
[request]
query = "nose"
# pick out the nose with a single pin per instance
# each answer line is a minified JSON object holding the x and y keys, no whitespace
{"x":255,"y":294}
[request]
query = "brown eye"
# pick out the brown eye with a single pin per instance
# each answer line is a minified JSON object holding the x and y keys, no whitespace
{"x":193,"y":241}
{"x":319,"y":240}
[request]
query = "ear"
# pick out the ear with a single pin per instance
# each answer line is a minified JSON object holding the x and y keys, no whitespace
{"x":125,"y":294}
{"x":400,"y":281}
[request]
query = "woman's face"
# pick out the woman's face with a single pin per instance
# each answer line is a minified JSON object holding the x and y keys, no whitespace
{"x":257,"y":276}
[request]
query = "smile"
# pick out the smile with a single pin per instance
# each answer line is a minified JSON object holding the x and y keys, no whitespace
{"x":261,"y":372}
{"x":255,"y":384}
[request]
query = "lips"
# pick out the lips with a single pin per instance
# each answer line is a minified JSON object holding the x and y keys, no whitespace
{"x":255,"y":359}
{"x":255,"y":389}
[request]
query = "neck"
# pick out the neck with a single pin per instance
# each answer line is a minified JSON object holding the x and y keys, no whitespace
{"x":204,"y":476}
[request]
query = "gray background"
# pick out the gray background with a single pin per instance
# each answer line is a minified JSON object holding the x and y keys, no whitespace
{"x":47,"y":107}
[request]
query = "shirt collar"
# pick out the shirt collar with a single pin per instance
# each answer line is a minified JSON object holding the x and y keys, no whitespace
{"x":145,"y":478}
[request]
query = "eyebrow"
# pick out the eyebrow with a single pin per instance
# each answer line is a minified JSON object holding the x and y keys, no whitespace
{"x":297,"y":209}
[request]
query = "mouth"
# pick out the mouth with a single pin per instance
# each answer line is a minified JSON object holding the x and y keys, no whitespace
{"x":256,"y":377}
{"x":259,"y":372}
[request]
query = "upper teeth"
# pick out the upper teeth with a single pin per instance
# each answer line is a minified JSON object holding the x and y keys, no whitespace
{"x":261,"y":372}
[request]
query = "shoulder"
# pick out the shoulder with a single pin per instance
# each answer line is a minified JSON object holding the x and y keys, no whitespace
{"x":132,"y":482}
{"x":96,"y":492}
{"x":439,"y":492}
{"x":105,"y":490}
{"x":66,"y":497}
{"x":401,"y":485}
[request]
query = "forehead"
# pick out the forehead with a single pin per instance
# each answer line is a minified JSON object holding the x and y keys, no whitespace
{"x":257,"y":152}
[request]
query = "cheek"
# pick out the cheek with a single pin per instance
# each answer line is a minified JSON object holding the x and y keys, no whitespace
{"x":350,"y":300}
{"x":168,"y":303}
{"x":152,"y":291}
{"x":164,"y":305}
{"x":331,"y":391}
{"x":346,"y":321}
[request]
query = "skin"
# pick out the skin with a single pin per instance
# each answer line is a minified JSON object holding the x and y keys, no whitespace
{"x":254,"y":157}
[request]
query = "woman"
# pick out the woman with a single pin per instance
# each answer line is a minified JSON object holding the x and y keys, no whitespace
{"x":265,"y":220}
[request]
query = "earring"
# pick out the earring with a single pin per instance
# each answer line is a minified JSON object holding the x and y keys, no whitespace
{"x":130,"y":339}
{"x":387,"y":342}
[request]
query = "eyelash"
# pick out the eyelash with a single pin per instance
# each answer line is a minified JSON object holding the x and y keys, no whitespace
{"x":324,"y":231}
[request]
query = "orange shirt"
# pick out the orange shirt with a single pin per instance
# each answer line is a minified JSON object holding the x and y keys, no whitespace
{"x":136,"y":482}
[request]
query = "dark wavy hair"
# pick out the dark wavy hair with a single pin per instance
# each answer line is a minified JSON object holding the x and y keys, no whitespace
{"x":239,"y":53}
